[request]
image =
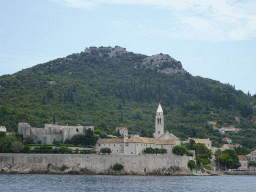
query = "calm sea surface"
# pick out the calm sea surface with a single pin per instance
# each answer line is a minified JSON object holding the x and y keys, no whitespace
{"x":66,"y":183}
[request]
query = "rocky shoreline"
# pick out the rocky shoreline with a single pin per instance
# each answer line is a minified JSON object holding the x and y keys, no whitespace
{"x":84,"y":171}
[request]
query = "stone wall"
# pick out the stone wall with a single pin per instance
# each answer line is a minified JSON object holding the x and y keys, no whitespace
{"x":51,"y":132}
{"x":95,"y":163}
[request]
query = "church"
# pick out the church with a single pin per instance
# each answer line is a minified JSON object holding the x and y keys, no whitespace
{"x":136,"y":145}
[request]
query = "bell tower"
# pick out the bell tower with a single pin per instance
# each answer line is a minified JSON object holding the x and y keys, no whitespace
{"x":159,"y":125}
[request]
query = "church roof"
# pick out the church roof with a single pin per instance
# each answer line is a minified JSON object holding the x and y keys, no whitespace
{"x":159,"y":109}
{"x":150,"y":141}
{"x":110,"y":140}
{"x":167,"y":133}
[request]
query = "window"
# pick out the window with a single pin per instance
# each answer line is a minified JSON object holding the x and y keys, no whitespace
{"x":137,"y":144}
{"x":77,"y":130}
{"x":99,"y":145}
{"x":131,"y":152}
{"x":126,"y":144}
{"x":116,"y":150}
{"x":158,"y":132}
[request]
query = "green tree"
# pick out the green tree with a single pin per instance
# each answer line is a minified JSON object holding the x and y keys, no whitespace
{"x":105,"y":150}
{"x":233,"y":156}
{"x":28,"y":140}
{"x":17,"y":146}
{"x":226,"y":161}
{"x":203,"y":154}
{"x":192,"y":165}
{"x":179,"y":150}
{"x":118,"y":167}
{"x":90,"y":138}
{"x":78,"y":139}
{"x":97,"y":131}
{"x":149,"y":150}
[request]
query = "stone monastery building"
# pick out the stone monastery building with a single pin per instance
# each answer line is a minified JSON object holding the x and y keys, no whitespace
{"x":136,"y":145}
{"x":51,"y":132}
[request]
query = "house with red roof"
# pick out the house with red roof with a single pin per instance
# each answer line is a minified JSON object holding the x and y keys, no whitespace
{"x":123,"y":131}
{"x":243,"y":161}
{"x":227,"y":140}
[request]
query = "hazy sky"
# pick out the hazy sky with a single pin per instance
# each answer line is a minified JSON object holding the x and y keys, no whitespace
{"x":214,"y":39}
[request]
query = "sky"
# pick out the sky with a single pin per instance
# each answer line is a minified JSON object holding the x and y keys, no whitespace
{"x":212,"y":39}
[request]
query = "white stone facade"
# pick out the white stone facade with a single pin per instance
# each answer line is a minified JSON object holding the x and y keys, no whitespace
{"x":159,"y":124}
{"x":123,"y":131}
{"x":2,"y":128}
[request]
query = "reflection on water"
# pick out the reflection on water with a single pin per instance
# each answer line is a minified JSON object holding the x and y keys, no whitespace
{"x":60,"y":183}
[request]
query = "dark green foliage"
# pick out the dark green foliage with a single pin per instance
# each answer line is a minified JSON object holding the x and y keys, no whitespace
{"x":56,"y":142}
{"x":251,"y":163}
{"x":88,"y":152}
{"x":203,"y":154}
{"x":190,"y":153}
{"x":28,"y":140}
{"x":118,"y":167}
{"x":150,"y":150}
{"x":63,"y":167}
{"x":68,"y":141}
{"x":105,"y":150}
{"x":179,"y":150}
{"x":2,"y":134}
{"x":192,"y":165}
{"x":94,"y":89}
{"x":6,"y":144}
{"x":242,"y":150}
{"x":229,"y":159}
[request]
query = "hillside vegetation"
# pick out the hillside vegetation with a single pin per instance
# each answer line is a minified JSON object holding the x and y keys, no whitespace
{"x":109,"y":87}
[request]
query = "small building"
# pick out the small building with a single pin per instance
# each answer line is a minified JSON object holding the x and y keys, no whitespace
{"x":206,"y":142}
{"x":123,"y":131}
{"x":229,"y":129}
{"x":227,"y":140}
{"x":251,"y":156}
{"x":2,"y":128}
{"x":243,"y":161}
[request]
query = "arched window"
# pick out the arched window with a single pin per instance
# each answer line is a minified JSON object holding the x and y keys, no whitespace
{"x":160,"y":121}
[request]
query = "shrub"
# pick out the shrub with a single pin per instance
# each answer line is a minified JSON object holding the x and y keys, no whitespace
{"x":105,"y":150}
{"x":118,"y":167}
{"x":39,"y":142}
{"x":208,"y":167}
{"x":97,"y":131}
{"x":63,"y":167}
{"x":149,"y":150}
{"x":190,"y":153}
{"x":93,"y":151}
{"x":179,"y":150}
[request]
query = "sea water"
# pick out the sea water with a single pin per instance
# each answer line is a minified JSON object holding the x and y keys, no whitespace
{"x":65,"y":183}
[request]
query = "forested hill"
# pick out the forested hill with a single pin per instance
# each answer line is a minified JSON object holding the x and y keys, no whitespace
{"x":109,"y":87}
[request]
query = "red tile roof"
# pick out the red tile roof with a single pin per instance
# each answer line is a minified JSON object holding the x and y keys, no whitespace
{"x":122,"y":128}
{"x":110,"y":141}
{"x":242,"y":157}
{"x":225,"y":139}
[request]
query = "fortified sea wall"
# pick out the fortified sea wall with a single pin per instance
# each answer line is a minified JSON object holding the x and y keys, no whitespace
{"x":93,"y":163}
